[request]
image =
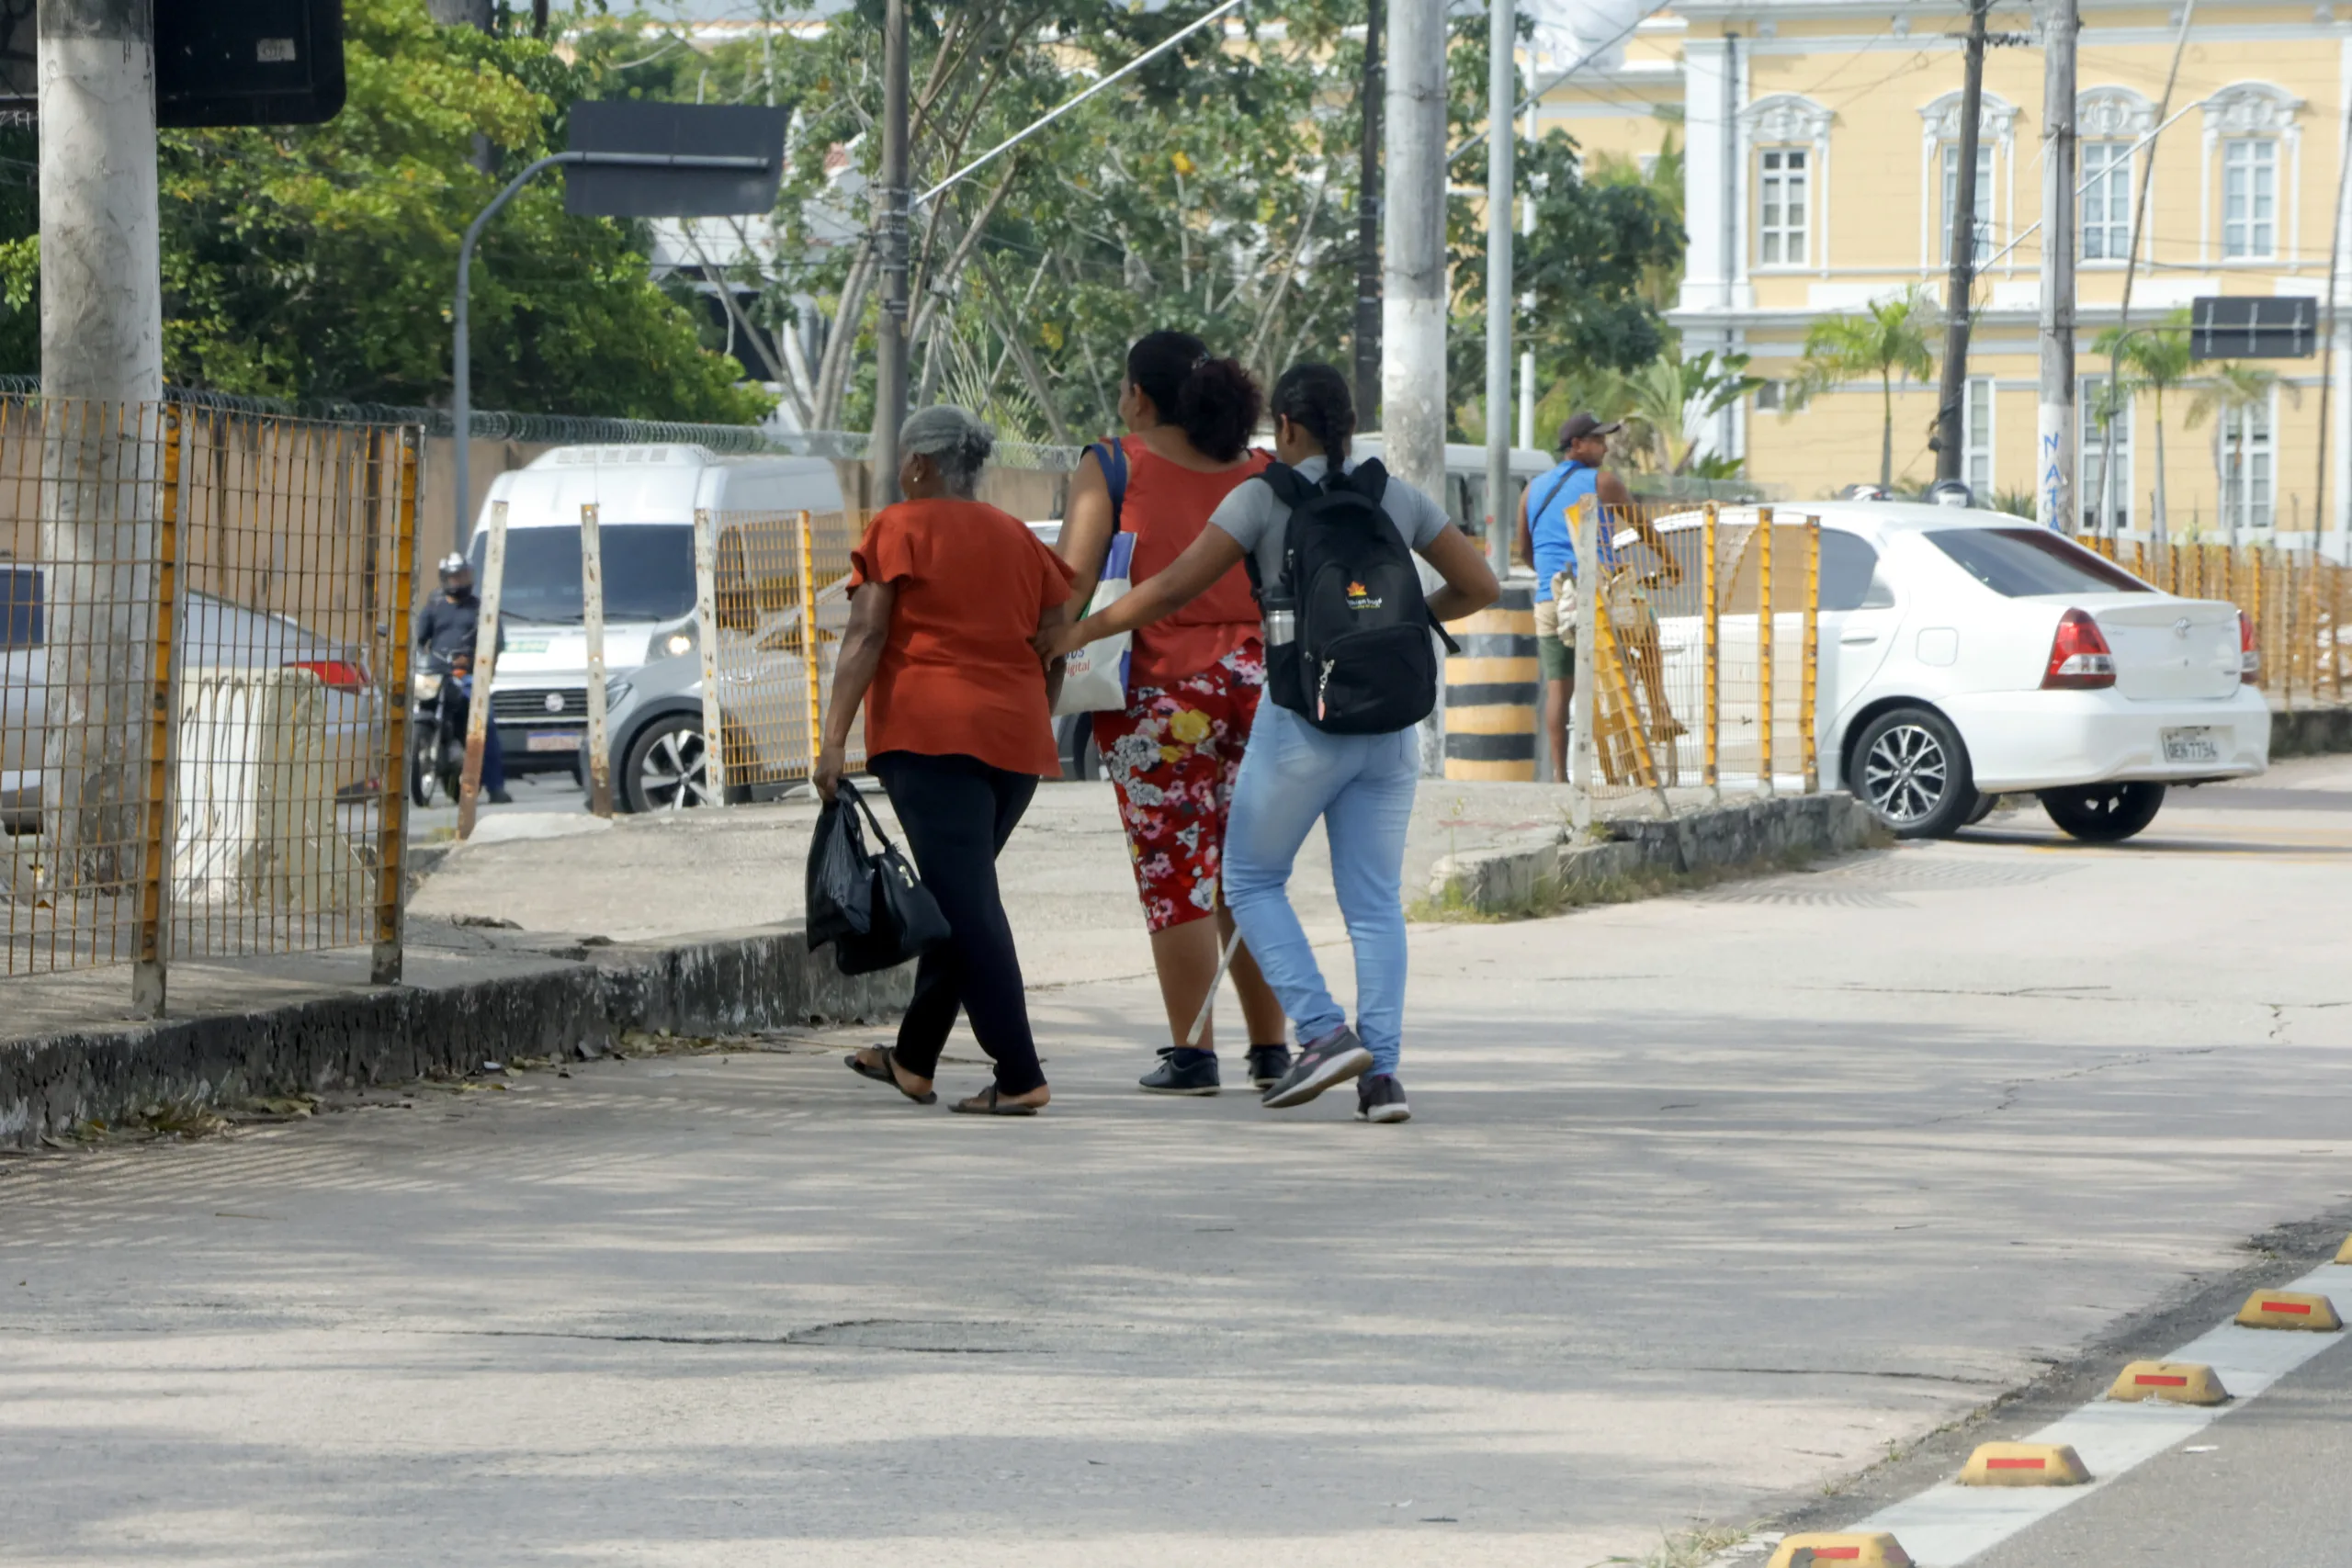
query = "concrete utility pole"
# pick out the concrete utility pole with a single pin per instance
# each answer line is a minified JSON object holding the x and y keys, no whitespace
{"x":101,"y":340}
{"x":1502,"y":148}
{"x":1962,"y":285}
{"x":891,"y":234}
{"x":2054,"y":492}
{"x":1367,"y":333}
{"x":1412,"y":316}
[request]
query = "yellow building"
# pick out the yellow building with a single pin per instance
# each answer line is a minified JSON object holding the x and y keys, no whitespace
{"x":1820,"y":139}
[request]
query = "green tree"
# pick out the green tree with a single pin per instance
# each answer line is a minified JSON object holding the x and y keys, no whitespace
{"x":2229,"y":391}
{"x":2155,"y":361}
{"x":1885,"y":338}
{"x":1671,"y":394}
{"x":319,"y":261}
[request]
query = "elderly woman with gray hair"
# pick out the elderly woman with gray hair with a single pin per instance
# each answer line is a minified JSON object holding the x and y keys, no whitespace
{"x":946,"y":596}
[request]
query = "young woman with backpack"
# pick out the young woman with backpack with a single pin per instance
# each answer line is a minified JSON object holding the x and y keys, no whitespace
{"x":1193,"y":681}
{"x":1328,"y":544}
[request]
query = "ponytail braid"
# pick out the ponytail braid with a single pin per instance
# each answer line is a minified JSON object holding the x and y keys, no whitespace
{"x":1315,"y":397}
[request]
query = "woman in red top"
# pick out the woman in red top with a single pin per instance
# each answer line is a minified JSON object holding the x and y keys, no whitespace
{"x":1193,"y":683}
{"x":946,"y":594}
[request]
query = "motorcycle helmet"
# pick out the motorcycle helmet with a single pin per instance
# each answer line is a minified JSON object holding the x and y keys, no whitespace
{"x":453,"y":568}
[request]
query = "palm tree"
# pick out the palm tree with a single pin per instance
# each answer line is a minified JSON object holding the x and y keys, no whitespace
{"x":2154,"y":361}
{"x":1884,"y":338}
{"x":2231,"y":392}
{"x":1671,"y":394}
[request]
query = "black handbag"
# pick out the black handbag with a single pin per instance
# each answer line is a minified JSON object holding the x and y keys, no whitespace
{"x":902,"y":920}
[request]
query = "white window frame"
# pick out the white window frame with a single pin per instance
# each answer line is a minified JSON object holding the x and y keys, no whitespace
{"x":2252,"y":112}
{"x":2247,"y":232}
{"x":1778,"y":171}
{"x":1976,"y":436}
{"x":2094,"y":451}
{"x":1948,"y":193}
{"x":2106,"y":190}
{"x":2250,"y":506}
{"x":1996,"y":129}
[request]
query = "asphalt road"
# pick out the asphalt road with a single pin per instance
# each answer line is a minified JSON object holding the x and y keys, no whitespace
{"x":1710,"y":1203}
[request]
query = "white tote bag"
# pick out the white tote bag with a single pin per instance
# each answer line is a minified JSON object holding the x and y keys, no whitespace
{"x":1094,"y":678}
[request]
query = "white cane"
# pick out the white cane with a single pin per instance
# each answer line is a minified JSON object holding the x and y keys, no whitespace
{"x":1208,"y":1003}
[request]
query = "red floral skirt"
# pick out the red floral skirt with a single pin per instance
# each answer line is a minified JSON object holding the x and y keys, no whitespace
{"x":1173,"y":757}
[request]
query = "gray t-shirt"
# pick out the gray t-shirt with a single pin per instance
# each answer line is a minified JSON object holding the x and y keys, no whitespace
{"x":1254,"y":516}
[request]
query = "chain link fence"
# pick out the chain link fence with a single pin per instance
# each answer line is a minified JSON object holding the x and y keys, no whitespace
{"x":1697,"y":679}
{"x":773,"y":588}
{"x":205,"y":651}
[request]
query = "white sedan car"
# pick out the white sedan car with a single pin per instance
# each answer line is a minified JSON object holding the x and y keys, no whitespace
{"x":1966,"y":655}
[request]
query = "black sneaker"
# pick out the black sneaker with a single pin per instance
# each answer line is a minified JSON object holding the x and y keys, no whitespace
{"x":1334,"y":1059}
{"x":500,"y":798}
{"x":1380,"y":1098}
{"x":1267,"y":1066}
{"x":1181,"y":1070}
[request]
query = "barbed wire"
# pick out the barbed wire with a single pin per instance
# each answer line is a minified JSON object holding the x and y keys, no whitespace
{"x":569,"y":430}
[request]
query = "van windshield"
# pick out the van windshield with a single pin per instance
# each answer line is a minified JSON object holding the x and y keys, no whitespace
{"x":649,"y":571}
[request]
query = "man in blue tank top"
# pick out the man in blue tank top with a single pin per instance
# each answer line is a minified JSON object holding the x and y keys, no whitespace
{"x":1547,"y":539}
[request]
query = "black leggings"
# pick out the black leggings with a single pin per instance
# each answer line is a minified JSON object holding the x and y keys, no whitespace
{"x":957,"y":812}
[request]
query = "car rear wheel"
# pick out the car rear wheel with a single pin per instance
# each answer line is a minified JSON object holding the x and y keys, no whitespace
{"x":1911,"y":770}
{"x":2104,"y":814}
{"x":665,"y":770}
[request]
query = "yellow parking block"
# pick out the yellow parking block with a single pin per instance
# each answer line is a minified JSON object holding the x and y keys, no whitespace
{"x":2289,"y":1309}
{"x":2182,"y":1382}
{"x":2344,"y":1253}
{"x":2024,"y":1464}
{"x":1874,"y":1551}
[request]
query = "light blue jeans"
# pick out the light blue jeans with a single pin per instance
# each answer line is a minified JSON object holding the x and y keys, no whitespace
{"x":1361,"y":787}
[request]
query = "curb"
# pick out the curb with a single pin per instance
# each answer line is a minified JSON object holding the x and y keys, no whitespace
{"x":1755,"y":835}
{"x":2310,"y":732}
{"x":573,"y":1005}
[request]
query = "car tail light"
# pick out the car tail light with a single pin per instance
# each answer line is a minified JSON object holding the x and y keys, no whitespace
{"x":2080,"y":659}
{"x":2249,"y":655}
{"x":334,"y":674}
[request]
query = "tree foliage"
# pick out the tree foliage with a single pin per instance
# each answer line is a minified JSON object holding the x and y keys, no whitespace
{"x":1886,"y":339}
{"x":320,"y":261}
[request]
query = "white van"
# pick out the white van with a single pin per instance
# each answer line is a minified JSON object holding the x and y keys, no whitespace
{"x":646,"y":498}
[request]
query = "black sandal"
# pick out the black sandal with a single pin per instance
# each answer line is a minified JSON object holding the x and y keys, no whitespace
{"x":889,"y":1073}
{"x":989,"y":1102}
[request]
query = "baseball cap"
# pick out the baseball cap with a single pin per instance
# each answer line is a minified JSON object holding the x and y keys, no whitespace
{"x":1575,"y":427}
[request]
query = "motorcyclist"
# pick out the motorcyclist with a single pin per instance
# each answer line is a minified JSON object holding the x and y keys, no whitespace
{"x":444,"y":635}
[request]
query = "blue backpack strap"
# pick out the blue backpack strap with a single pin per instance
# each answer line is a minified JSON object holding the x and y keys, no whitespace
{"x":1112,"y":456}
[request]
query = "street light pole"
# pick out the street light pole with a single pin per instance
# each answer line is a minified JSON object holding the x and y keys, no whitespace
{"x":891,"y":234}
{"x":1502,"y":146}
{"x":461,"y":392}
{"x":1369,"y":94}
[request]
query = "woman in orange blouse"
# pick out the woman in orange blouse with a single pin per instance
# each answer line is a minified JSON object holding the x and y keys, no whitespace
{"x":946,"y":594}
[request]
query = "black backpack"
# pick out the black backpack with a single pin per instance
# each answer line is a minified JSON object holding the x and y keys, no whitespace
{"x":1359,"y":659}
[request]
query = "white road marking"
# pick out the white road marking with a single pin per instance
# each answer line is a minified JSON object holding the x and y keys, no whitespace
{"x":1947,"y":1524}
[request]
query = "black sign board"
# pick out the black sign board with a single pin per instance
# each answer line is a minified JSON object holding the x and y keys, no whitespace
{"x":748,"y":136}
{"x":218,"y":63}
{"x":2253,"y":326}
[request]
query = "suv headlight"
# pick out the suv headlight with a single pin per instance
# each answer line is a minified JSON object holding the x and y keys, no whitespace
{"x":679,"y":642}
{"x":425,"y":683}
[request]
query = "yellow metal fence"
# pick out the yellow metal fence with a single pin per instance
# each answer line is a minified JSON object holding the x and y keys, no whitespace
{"x":2297,"y":599}
{"x":201,"y":684}
{"x":773,"y":588}
{"x":1706,"y":654}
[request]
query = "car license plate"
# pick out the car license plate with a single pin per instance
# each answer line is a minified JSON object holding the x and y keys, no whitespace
{"x":569,"y":740}
{"x":2197,"y":743}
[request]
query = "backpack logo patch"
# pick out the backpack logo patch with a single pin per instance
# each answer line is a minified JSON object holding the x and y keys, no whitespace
{"x":1361,"y":598}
